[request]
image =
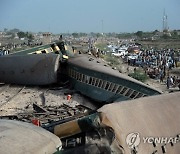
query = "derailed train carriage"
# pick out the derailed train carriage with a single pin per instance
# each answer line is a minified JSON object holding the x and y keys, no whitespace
{"x":35,"y":66}
{"x":41,"y":69}
{"x":86,"y":75}
{"x":152,"y":123}
{"x":20,"y":138}
{"x":144,"y":125}
{"x":107,"y":130}
{"x":93,"y":78}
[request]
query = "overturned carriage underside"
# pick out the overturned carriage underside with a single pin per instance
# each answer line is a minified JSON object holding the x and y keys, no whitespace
{"x":29,"y":69}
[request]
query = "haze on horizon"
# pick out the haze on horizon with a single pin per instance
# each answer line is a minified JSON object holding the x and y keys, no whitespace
{"x":68,"y":16}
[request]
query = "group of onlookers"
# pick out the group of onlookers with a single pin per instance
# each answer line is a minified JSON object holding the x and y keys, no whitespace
{"x":14,"y":46}
{"x":173,"y":81}
{"x":4,"y":52}
{"x":158,"y":63}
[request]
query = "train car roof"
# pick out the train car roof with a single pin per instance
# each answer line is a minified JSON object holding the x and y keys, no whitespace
{"x":30,"y":50}
{"x":20,"y":137}
{"x":153,"y":116}
{"x":99,"y":65}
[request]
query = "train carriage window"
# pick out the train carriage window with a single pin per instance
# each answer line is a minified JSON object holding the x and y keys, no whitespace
{"x":83,"y":78}
{"x":87,"y":78}
{"x":97,"y":82}
{"x":114,"y":88}
{"x":73,"y":73}
{"x":93,"y":81}
{"x":139,"y":95}
{"x":119,"y":89}
{"x":100,"y":83}
{"x":133,"y":94}
{"x":77,"y":75}
{"x":124,"y":90}
{"x":107,"y":85}
{"x":129,"y":92}
{"x":103,"y":84}
{"x":80,"y":77}
{"x":111,"y":87}
{"x":43,"y":51}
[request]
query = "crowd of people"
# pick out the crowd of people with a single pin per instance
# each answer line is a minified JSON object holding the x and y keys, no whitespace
{"x":8,"y":47}
{"x":3,"y":52}
{"x":173,"y":81}
{"x":158,"y":63}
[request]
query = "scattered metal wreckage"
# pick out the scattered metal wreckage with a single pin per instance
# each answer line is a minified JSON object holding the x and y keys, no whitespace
{"x":83,"y":130}
{"x":50,"y":115}
{"x":144,"y":125}
{"x":152,"y":123}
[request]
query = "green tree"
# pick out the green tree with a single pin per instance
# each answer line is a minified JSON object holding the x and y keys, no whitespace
{"x":175,"y":33}
{"x":5,"y":29}
{"x":98,"y":34}
{"x":21,"y":34}
{"x":139,"y":33}
{"x":139,"y":75}
{"x":82,"y":34}
{"x":75,"y":35}
{"x":30,"y":37}
{"x":156,"y":31}
{"x":165,"y":36}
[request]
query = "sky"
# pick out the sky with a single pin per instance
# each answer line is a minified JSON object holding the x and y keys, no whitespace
{"x":69,"y":16}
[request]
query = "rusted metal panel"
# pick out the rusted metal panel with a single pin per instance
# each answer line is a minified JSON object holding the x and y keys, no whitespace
{"x":29,"y":69}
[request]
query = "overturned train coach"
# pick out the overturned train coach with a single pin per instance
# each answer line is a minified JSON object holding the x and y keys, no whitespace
{"x":144,"y":125}
{"x":20,"y":137}
{"x":32,"y":69}
{"x":93,"y":78}
{"x":90,"y":76}
{"x":35,"y":66}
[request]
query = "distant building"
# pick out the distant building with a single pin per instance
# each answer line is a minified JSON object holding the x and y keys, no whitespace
{"x":46,"y":38}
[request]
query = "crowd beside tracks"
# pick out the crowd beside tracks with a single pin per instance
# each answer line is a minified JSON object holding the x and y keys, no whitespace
{"x":157,"y":64}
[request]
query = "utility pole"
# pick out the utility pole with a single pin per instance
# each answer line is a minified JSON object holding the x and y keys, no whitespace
{"x":165,"y":22}
{"x":102,"y":22}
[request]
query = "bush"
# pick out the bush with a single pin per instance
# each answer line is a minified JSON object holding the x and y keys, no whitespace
{"x":112,"y":60}
{"x":138,"y":75}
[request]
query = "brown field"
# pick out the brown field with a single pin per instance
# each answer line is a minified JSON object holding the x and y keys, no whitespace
{"x":175,"y":44}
